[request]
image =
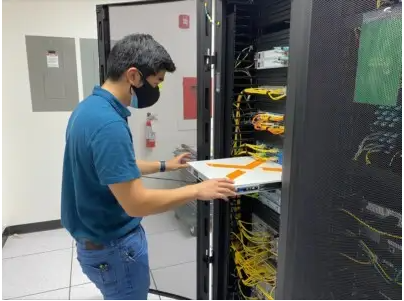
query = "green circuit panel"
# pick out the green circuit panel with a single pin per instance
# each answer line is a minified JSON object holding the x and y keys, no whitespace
{"x":378,"y":74}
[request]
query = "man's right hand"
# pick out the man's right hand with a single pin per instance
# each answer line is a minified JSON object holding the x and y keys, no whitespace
{"x":215,"y":189}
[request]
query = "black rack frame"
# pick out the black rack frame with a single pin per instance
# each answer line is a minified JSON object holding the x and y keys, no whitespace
{"x":222,"y":211}
{"x":300,"y":29}
{"x":204,"y":58}
{"x":222,"y":150}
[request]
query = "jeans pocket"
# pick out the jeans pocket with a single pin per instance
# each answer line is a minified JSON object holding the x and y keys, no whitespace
{"x":135,"y":245}
{"x":100,"y":272}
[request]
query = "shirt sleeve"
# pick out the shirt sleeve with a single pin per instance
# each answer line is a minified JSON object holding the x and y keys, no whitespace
{"x":113,"y":154}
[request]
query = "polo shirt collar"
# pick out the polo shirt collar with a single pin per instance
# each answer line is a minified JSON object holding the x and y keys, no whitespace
{"x":116,"y":104}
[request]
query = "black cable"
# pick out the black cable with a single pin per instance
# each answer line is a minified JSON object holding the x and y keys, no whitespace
{"x":174,"y":180}
{"x":166,"y":294}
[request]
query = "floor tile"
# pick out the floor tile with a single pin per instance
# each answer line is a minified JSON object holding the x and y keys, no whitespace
{"x":160,"y":223}
{"x":171,"y":248}
{"x":62,"y":294}
{"x":152,"y":283}
{"x":178,"y":280}
{"x":90,"y":292}
{"x":37,"y":242}
{"x":85,"y":292}
{"x":78,"y":276}
{"x":34,"y":274}
{"x":153,"y":297}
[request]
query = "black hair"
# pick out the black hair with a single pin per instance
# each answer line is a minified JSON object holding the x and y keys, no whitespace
{"x":140,"y":51}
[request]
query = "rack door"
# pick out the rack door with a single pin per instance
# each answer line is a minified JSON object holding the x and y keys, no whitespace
{"x":172,"y":236}
{"x":341,"y":225}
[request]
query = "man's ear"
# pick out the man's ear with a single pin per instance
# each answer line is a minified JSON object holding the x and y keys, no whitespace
{"x":134,"y":77}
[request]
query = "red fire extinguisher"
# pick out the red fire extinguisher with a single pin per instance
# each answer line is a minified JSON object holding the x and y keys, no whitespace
{"x":150,"y":134}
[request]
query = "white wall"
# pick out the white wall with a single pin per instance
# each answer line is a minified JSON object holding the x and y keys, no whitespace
{"x":181,"y":44}
{"x":33,"y":143}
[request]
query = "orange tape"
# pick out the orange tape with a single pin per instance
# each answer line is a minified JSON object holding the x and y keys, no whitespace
{"x":225,"y":165}
{"x":251,"y":165}
{"x":272,"y":169}
{"x":254,"y":164}
{"x":235,"y":174}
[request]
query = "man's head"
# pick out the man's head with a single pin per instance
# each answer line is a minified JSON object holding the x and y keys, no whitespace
{"x":138,"y":63}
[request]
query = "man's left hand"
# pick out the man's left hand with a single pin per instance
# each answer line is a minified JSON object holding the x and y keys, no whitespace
{"x":178,"y":162}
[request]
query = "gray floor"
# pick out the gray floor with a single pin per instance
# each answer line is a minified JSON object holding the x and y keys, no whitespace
{"x":43,"y":265}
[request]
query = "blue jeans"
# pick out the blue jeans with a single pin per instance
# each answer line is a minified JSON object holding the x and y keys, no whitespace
{"x":120,"y":270}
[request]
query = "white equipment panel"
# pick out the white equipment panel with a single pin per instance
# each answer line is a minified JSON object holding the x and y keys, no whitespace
{"x":250,"y":181}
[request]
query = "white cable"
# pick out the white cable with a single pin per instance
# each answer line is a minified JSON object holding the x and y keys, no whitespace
{"x":238,"y":60}
{"x":362,"y":144}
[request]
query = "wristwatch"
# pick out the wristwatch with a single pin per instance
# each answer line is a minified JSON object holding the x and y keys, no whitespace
{"x":162,"y":166}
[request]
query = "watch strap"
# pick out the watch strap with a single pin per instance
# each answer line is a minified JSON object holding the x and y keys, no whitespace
{"x":162,"y":166}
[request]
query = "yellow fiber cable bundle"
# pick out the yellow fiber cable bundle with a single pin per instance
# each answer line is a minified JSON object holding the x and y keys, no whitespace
{"x":257,"y":156}
{"x":270,"y":122}
{"x":370,"y":227}
{"x":273,"y":94}
{"x":374,"y":260}
{"x":267,"y":117}
{"x":259,"y":152}
{"x":252,"y":249}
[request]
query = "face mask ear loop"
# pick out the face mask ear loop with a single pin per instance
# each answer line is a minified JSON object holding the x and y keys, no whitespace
{"x":132,"y":88}
{"x":142,"y":79}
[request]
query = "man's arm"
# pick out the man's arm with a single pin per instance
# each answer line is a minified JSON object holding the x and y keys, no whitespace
{"x":137,"y":201}
{"x":112,"y":152}
{"x":148,"y":167}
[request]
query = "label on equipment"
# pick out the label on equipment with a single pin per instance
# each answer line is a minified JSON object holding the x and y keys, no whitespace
{"x":52,"y":59}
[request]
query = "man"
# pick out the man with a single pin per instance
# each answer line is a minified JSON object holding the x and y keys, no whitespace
{"x":103,"y":198}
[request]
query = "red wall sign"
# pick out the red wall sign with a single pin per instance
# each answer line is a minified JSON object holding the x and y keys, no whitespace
{"x":183,"y":21}
{"x":189,"y":97}
{"x":189,"y":87}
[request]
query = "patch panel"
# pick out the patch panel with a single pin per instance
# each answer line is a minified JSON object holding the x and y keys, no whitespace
{"x":269,"y":203}
{"x":272,"y":195}
{"x":384,"y":212}
{"x":278,"y":57}
{"x":388,"y":120}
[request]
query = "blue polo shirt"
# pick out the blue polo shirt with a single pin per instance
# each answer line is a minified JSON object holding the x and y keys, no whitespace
{"x":99,"y":151}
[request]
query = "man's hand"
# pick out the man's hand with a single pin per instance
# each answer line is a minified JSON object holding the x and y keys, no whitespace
{"x":178,"y":162}
{"x":215,"y":189}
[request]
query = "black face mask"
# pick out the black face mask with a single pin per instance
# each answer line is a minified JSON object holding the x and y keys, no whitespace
{"x":145,"y":96}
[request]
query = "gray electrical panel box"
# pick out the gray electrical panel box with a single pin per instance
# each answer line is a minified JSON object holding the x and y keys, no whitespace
{"x":89,"y":65}
{"x":52,"y":73}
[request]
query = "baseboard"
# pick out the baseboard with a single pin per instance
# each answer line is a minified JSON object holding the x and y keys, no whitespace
{"x":5,"y":236}
{"x":30,"y":228}
{"x":166,"y":294}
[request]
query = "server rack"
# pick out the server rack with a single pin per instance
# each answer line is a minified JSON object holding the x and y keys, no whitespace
{"x":204,"y":60}
{"x":325,"y":194}
{"x":243,"y":23}
{"x":340,"y":223}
